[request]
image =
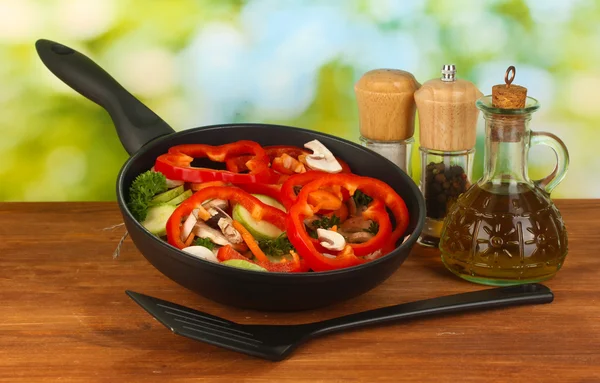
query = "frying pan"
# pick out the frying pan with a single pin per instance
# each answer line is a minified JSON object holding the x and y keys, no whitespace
{"x":145,"y":136}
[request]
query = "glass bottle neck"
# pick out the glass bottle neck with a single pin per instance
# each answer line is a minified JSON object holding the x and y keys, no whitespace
{"x":506,"y":149}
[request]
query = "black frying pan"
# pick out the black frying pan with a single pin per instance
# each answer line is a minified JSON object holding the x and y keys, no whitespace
{"x":145,"y":136}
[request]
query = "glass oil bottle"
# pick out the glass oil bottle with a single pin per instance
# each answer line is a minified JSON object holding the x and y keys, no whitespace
{"x":505,"y":229}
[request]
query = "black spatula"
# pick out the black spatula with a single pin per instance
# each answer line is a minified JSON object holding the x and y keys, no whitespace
{"x":275,"y":342}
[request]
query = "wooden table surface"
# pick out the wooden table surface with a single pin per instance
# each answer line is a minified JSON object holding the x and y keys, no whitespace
{"x":65,"y":316}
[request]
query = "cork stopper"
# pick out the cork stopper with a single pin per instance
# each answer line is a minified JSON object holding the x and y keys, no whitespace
{"x":508,"y":128}
{"x":447,"y":112}
{"x":386,"y":104}
{"x":508,"y":96}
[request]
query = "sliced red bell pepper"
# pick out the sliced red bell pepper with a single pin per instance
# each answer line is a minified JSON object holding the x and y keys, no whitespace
{"x":238,"y":164}
{"x":295,"y":265}
{"x":325,"y":200}
{"x":342,"y":213}
{"x":258,"y":210}
{"x":288,"y":188}
{"x":176,"y":164}
{"x":381,"y":193}
{"x":377,"y":213}
{"x":227,"y":253}
{"x":203,"y":185}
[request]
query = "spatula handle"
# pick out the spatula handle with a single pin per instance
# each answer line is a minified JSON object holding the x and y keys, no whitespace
{"x":477,"y":300}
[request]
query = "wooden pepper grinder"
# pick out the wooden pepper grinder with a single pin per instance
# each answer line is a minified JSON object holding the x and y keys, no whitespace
{"x":387,"y":111}
{"x":447,"y":133}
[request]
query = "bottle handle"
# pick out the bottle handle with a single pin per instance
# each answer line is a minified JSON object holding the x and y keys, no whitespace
{"x":552,"y":180}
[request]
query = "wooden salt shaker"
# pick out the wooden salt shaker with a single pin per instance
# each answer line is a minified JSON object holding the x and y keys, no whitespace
{"x":387,"y":111}
{"x":447,"y":133}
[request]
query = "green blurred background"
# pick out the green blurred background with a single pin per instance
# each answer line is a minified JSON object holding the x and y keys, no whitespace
{"x":291,"y":62}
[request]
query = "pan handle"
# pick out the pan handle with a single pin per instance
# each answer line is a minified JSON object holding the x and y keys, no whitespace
{"x":136,"y":124}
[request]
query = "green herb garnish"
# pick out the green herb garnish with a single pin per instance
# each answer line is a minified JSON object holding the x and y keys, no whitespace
{"x":326,"y":222}
{"x":373,"y":228}
{"x":277,"y":247}
{"x":143,"y":188}
{"x":204,"y":242}
{"x":361,"y":199}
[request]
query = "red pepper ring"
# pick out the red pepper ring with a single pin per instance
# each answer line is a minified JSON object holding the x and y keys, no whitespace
{"x":258,"y":210}
{"x":376,"y":189}
{"x":375,"y":212}
{"x":301,"y":209}
{"x":176,"y":164}
{"x":306,"y":248}
{"x":257,"y":163}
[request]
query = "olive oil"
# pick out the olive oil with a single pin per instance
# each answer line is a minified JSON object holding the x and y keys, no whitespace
{"x":510,"y":233}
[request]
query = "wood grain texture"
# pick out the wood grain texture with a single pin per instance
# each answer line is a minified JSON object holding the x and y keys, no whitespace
{"x":65,"y":316}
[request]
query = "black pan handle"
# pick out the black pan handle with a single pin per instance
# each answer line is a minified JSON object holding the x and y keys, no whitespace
{"x":136,"y":124}
{"x":483,"y":299}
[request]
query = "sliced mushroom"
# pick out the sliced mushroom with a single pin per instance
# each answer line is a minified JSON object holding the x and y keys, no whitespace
{"x":188,"y":224}
{"x":173,"y":183}
{"x":215,"y":217}
{"x":230,"y":232}
{"x":224,"y":222}
{"x":355,"y":224}
{"x":202,"y":253}
{"x":331,"y":240}
{"x":321,"y":158}
{"x":216,"y":203}
{"x":373,"y":255}
{"x":359,"y":237}
{"x":352,"y":207}
{"x":202,"y":230}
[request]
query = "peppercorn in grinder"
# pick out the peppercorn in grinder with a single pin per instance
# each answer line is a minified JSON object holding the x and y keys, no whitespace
{"x":447,"y":134}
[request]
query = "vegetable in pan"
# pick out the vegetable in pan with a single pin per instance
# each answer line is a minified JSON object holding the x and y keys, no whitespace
{"x":275,"y":209}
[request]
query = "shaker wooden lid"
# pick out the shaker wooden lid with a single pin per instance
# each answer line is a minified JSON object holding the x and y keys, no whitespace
{"x":388,"y":81}
{"x":386,"y":104}
{"x":447,"y":113}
